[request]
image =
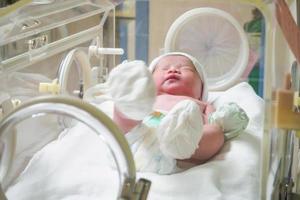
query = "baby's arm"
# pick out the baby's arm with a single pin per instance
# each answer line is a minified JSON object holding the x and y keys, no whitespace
{"x":210,"y":144}
{"x":213,"y":137}
{"x":124,"y":123}
{"x":212,"y":140}
{"x":207,"y":109}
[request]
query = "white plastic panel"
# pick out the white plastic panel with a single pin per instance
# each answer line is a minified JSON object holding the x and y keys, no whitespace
{"x":216,"y":39}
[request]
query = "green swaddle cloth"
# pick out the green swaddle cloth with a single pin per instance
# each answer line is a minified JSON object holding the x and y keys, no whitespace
{"x":231,"y":118}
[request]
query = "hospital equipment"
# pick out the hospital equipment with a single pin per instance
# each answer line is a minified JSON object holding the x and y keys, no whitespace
{"x":38,"y":35}
{"x":224,"y":59}
{"x":84,"y":69}
{"x":35,"y":38}
{"x":90,"y":116}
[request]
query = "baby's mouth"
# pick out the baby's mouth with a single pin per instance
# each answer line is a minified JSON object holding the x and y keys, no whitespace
{"x":172,"y":77}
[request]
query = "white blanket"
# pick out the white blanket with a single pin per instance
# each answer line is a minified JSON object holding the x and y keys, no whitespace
{"x":76,"y":166}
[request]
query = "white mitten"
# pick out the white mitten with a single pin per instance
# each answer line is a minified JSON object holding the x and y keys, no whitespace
{"x":130,"y":86}
{"x":231,"y":118}
{"x":180,"y":130}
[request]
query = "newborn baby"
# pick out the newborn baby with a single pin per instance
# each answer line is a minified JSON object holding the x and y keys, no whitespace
{"x":181,"y":125}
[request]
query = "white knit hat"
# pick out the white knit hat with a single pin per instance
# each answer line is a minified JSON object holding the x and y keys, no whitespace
{"x":195,"y":62}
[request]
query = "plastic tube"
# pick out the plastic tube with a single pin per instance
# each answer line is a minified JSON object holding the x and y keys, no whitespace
{"x":94,"y":50}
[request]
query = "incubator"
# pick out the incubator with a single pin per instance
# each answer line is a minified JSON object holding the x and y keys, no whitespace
{"x":59,"y":48}
{"x":73,"y":149}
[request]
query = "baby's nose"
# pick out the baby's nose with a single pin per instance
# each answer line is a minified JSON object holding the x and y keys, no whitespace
{"x":173,"y":69}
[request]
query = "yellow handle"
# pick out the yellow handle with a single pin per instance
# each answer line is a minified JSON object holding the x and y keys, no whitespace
{"x":283,"y":111}
{"x":53,"y":88}
{"x":296,"y":99}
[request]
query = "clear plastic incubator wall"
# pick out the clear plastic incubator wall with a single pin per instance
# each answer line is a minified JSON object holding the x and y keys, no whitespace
{"x":56,"y":145}
{"x":57,"y":49}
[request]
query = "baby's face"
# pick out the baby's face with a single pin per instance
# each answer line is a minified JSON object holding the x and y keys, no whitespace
{"x":176,"y":75}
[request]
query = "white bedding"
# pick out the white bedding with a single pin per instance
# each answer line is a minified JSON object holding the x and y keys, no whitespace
{"x":76,"y":166}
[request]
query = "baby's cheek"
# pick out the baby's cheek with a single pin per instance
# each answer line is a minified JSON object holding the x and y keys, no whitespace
{"x":158,"y":83}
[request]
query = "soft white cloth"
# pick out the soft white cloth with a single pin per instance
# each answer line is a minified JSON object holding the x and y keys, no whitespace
{"x":130,"y":86}
{"x":195,"y":62}
{"x":157,"y":142}
{"x":180,"y":130}
{"x":75,"y":167}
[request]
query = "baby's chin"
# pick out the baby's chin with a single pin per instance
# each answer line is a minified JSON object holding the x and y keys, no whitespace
{"x":177,"y":90}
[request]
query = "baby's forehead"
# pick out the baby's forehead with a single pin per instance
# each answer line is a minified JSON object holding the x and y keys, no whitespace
{"x":175,"y":60}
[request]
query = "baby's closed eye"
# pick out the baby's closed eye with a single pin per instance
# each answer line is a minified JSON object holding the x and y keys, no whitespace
{"x":188,"y":68}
